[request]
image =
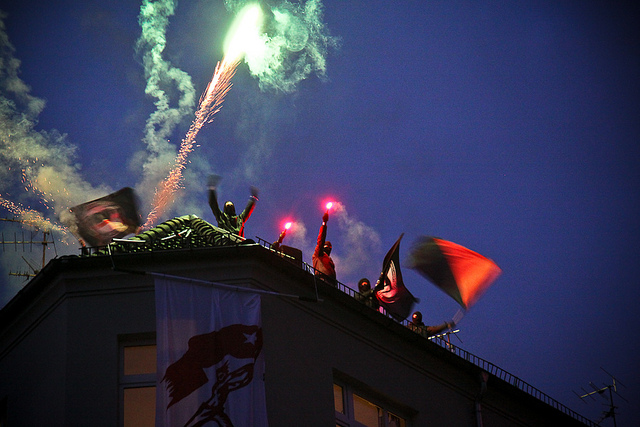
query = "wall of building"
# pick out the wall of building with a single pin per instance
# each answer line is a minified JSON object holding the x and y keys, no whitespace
{"x":306,"y":345}
{"x":59,"y":363}
{"x":59,"y":359}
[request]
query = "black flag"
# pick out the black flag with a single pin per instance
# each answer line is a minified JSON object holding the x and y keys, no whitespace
{"x":391,"y":292}
{"x":108,"y":217}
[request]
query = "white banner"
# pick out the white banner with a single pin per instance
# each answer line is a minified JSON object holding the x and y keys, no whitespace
{"x":210,"y":364}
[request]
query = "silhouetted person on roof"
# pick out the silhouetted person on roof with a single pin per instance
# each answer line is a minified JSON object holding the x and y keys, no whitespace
{"x":322,"y":262}
{"x":227,"y":219}
{"x":417,"y":325}
{"x":366,"y":294}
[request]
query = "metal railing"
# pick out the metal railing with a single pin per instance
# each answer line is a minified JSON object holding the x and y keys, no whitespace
{"x":498,"y":372}
{"x":443,"y":341}
{"x":173,"y":239}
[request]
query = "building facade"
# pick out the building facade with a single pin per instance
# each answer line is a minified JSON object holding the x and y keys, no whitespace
{"x":77,"y":345}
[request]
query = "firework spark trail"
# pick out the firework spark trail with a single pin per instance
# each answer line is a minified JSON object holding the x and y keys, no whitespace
{"x":244,"y":35}
{"x":31,"y":217}
{"x":210,"y":104}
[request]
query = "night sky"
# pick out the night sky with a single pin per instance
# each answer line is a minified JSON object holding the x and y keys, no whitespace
{"x":511,"y":128}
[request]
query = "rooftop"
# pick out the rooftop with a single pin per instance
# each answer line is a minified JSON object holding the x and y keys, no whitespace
{"x":191,"y":232}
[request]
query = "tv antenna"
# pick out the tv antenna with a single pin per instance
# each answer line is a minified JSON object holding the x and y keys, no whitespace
{"x":47,"y":239}
{"x":606,"y":392}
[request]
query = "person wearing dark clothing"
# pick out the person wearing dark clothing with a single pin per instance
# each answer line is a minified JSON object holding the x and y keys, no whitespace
{"x":277,"y":244}
{"x":366,"y":294}
{"x":227,"y":219}
{"x":322,"y":262}
{"x":428,"y":331}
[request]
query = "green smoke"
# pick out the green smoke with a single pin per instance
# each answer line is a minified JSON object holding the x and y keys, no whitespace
{"x":295,"y":45}
{"x":172,"y":90}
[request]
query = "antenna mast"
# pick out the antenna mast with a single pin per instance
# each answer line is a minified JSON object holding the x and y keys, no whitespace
{"x":44,"y":242}
{"x":611,"y":388}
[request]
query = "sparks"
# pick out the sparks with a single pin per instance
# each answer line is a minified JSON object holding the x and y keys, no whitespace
{"x":210,"y":103}
{"x":31,"y":217}
{"x":248,"y":22}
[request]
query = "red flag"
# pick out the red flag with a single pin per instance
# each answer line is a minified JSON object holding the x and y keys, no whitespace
{"x":461,"y":273}
{"x":394,"y":296}
{"x":210,"y":364}
{"x":112,"y":216}
{"x":187,"y":374}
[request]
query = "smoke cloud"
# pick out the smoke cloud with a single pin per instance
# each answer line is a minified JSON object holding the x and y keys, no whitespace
{"x":39,"y":176}
{"x":40,"y":162}
{"x":361,"y":242}
{"x":165,"y":83}
{"x":294,"y":46}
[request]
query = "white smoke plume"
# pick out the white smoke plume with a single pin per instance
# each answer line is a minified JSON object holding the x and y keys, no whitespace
{"x":41,"y":162}
{"x":172,"y":90}
{"x":361,"y":243}
{"x":294,"y":46}
{"x":39,"y":176}
{"x":297,"y":237}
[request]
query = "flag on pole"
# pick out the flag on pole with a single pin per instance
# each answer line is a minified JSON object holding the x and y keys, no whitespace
{"x":461,"y":273}
{"x":112,"y":216}
{"x":210,"y":364}
{"x":392,"y":294}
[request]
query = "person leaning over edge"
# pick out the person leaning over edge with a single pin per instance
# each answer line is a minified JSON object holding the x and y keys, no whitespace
{"x":417,"y":325}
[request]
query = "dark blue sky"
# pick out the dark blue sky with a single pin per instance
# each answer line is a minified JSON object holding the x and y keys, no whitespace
{"x":511,"y":128}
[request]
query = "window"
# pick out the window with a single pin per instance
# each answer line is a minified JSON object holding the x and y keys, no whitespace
{"x":137,"y":380}
{"x":357,"y":408}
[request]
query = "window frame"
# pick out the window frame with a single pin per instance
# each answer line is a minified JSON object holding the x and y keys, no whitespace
{"x":351,"y":388}
{"x":133,"y":380}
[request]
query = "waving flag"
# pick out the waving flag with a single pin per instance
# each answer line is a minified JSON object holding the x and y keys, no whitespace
{"x":461,"y":273}
{"x":112,"y":216}
{"x":210,"y":367}
{"x":391,"y":292}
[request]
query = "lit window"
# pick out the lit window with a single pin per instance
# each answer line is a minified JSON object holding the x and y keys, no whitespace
{"x":139,"y":406}
{"x":366,"y":412}
{"x":338,"y":399}
{"x":137,"y":381}
{"x":354,"y":410}
{"x":140,"y":359}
